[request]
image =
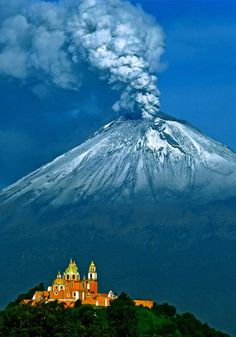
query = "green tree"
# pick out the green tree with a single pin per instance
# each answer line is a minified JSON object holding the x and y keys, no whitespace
{"x":78,"y":303}
{"x":164,"y":309}
{"x":123,"y":317}
{"x":189,"y":325}
{"x":27,"y":296}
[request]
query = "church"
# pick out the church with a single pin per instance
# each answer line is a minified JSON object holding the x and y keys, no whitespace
{"x":69,"y":287}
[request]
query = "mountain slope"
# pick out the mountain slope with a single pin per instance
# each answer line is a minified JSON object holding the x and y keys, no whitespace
{"x":163,"y":159}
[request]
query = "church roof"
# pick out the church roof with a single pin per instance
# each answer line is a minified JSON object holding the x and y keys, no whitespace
{"x":59,"y":281}
{"x":72,"y":268}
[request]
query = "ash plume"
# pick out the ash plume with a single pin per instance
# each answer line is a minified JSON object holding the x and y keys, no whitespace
{"x":58,"y":43}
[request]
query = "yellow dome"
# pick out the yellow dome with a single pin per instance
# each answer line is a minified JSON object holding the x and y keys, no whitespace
{"x":72,"y":268}
{"x":59,"y":280}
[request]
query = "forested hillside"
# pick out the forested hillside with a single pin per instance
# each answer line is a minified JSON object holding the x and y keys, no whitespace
{"x":121,"y":319}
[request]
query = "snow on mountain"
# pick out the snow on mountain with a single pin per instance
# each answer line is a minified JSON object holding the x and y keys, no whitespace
{"x":162,"y":159}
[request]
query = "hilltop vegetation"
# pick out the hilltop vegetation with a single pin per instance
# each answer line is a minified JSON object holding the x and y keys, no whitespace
{"x":121,"y":319}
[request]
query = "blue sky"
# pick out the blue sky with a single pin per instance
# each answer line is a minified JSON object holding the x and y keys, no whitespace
{"x":198,"y":84}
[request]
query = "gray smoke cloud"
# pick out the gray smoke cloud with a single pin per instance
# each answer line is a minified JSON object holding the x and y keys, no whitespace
{"x":58,"y":43}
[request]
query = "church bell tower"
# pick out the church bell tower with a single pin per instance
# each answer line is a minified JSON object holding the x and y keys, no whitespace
{"x":92,"y":273}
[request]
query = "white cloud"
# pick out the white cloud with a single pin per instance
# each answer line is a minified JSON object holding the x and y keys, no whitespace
{"x":53,"y":42}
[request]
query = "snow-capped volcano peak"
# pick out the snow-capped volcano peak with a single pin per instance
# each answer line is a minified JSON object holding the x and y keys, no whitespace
{"x":161,"y":159}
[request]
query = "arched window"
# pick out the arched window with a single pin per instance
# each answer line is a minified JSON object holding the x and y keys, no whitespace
{"x":91,"y":276}
{"x":67,"y":277}
{"x":73,"y":277}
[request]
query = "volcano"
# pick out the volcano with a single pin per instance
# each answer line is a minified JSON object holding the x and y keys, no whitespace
{"x":155,"y":202}
{"x":162,"y":159}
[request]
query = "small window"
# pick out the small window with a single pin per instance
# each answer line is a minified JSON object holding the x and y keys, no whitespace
{"x":74,"y":294}
{"x":68,"y":295}
{"x":67,"y":277}
{"x":73,"y":277}
{"x":55,"y":293}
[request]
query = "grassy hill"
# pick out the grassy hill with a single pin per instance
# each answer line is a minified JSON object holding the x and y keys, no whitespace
{"x":121,"y":319}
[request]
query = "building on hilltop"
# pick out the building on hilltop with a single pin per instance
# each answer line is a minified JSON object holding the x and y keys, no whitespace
{"x":68,"y":287}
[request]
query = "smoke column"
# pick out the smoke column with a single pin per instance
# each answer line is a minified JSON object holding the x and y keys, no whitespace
{"x":56,"y":43}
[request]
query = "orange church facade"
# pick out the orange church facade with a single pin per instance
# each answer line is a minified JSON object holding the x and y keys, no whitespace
{"x":69,"y":287}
